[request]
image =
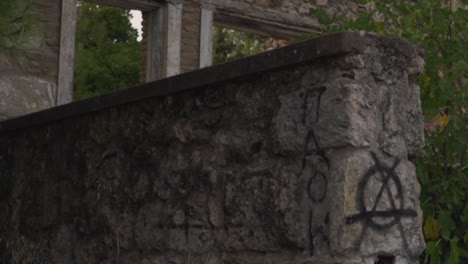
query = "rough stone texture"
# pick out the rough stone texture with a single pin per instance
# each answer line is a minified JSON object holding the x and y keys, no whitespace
{"x":24,"y":94}
{"x":307,"y":163}
{"x":28,"y":79}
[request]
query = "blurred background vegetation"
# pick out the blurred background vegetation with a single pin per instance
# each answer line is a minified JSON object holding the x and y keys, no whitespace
{"x":107,"y":50}
{"x":16,"y":23}
{"x":229,"y":44}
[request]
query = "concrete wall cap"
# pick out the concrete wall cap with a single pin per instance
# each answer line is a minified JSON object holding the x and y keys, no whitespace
{"x":325,"y":46}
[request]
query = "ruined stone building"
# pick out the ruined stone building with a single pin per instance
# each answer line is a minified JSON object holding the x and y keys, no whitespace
{"x":177,"y":38}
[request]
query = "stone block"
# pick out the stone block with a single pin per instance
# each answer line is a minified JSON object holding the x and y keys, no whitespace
{"x":21,"y":95}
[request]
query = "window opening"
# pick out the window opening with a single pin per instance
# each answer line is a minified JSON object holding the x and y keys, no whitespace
{"x":231,"y":44}
{"x":108,"y":49}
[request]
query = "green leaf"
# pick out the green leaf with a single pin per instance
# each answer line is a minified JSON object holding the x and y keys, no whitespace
{"x":462,"y":139}
{"x":421,"y":172}
{"x":463,"y":253}
{"x":433,"y":252}
{"x":379,"y":27}
{"x":321,"y":16}
{"x":454,"y":257}
{"x":431,"y":228}
{"x":446,"y":224}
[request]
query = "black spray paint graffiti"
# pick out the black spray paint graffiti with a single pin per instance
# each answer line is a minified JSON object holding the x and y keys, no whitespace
{"x":371,"y":215}
{"x":316,"y":195}
{"x":239,"y":193}
{"x":317,"y":184}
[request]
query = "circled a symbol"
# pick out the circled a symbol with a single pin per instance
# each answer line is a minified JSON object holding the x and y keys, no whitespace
{"x":388,"y":217}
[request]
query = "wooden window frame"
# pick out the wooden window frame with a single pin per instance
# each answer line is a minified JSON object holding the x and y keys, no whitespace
{"x":162,"y":60}
{"x":212,"y":17}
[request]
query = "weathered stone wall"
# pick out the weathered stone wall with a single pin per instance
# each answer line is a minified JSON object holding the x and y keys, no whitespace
{"x":299,"y":155}
{"x":28,"y":78}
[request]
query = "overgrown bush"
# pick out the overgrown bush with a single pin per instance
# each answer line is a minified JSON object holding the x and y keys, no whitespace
{"x":16,"y":23}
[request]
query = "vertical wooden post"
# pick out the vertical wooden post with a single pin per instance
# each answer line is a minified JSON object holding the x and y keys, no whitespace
{"x":206,"y":38}
{"x":163,"y":47}
{"x":67,"y":53}
{"x":174,"y":34}
{"x":154,"y":59}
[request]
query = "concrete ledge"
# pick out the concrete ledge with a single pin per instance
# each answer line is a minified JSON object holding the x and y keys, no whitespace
{"x":326,"y":46}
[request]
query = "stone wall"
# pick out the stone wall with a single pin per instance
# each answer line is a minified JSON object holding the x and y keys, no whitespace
{"x":28,"y":77}
{"x":298,"y":155}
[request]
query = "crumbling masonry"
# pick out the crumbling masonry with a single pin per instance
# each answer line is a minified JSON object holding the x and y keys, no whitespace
{"x":297,"y":155}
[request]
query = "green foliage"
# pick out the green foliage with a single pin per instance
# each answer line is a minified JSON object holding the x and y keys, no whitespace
{"x":230,"y":44}
{"x":107,"y":51}
{"x":16,"y":23}
{"x":443,"y":170}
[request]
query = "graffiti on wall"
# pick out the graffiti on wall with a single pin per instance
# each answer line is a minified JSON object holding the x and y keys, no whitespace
{"x":372,"y":215}
{"x":315,"y":165}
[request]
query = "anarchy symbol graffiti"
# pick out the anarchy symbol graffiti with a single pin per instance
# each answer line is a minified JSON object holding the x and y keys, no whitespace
{"x":382,"y":214}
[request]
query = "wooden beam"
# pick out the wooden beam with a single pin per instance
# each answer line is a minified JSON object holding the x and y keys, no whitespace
{"x":67,"y":52}
{"x":143,"y":5}
{"x":206,"y":38}
{"x":279,"y":24}
{"x":240,"y":23}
